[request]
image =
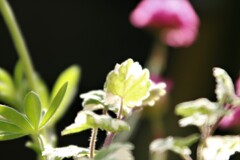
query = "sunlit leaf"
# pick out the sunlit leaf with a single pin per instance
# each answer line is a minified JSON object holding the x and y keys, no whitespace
{"x":5,"y":126}
{"x":198,"y":112}
{"x":9,"y":136}
{"x":221,"y":147}
{"x":54,"y":104}
{"x":116,"y":151}
{"x":18,"y":74}
{"x":6,"y":78}
{"x":32,"y":107}
{"x":72,"y":76}
{"x":64,"y":152}
{"x":42,"y":91}
{"x":175,"y":144}
{"x":87,"y":119}
{"x":15,"y":117}
{"x":224,"y":87}
{"x":129,"y":82}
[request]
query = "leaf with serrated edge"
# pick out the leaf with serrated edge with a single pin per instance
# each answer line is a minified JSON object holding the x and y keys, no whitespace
{"x":175,"y":144}
{"x":54,"y":105}
{"x":15,"y":117}
{"x":64,"y":152}
{"x":32,"y":107}
{"x":87,"y":119}
{"x":129,"y":82}
{"x":72,"y":76}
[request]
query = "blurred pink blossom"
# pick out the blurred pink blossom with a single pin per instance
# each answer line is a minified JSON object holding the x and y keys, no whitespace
{"x":232,"y":119}
{"x":176,"y":19}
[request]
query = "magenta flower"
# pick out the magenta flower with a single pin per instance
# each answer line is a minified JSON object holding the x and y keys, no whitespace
{"x":175,"y":19}
{"x":233,"y":119}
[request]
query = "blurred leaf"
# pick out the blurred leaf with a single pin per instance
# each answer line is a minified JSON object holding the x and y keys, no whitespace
{"x":54,"y":104}
{"x":129,"y":82}
{"x":93,"y":100}
{"x":5,"y":126}
{"x":9,"y":136}
{"x":224,"y":87}
{"x":72,"y":76}
{"x":18,"y":74}
{"x":221,"y":147}
{"x":156,"y":91}
{"x":33,"y":109}
{"x":15,"y":117}
{"x":87,"y":119}
{"x":42,"y":91}
{"x":116,"y":151}
{"x":198,"y":112}
{"x":175,"y":144}
{"x":6,"y":78}
{"x":65,"y":152}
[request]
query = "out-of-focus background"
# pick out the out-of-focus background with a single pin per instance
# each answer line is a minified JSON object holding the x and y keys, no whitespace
{"x":97,"y":34}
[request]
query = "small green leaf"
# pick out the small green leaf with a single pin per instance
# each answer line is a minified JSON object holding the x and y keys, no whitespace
{"x":87,"y":119}
{"x":18,"y":74}
{"x":6,"y":78}
{"x":224,"y":87}
{"x":199,"y":112}
{"x":42,"y":91}
{"x":32,"y":107}
{"x":5,"y":126}
{"x":15,"y":117}
{"x":221,"y":147}
{"x":72,"y":76}
{"x":4,"y":136}
{"x":116,"y":151}
{"x":65,"y":152}
{"x":129,"y":82}
{"x":175,"y":144}
{"x":54,"y":105}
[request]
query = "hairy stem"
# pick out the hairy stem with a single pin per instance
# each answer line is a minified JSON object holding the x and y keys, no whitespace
{"x":18,"y":41}
{"x":92,"y":143}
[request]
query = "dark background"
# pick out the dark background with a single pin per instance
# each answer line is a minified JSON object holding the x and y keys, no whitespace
{"x":97,"y":34}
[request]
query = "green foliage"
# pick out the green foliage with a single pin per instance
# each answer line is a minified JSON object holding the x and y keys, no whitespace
{"x":65,"y":152}
{"x":175,"y":144}
{"x":33,"y":109}
{"x":54,"y":104}
{"x":72,"y":76}
{"x":221,"y":147}
{"x":87,"y":119}
{"x":116,"y":151}
{"x":129,"y":82}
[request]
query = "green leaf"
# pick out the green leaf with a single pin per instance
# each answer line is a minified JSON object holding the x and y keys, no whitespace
{"x":15,"y":117}
{"x":33,"y":109}
{"x":224,"y":87}
{"x":221,"y":147}
{"x":176,"y":144}
{"x":129,"y":82}
{"x":6,"y":78}
{"x":5,"y":126}
{"x":93,"y":100}
{"x":199,"y":112}
{"x":42,"y":91}
{"x":18,"y":74}
{"x":65,"y":152}
{"x":116,"y":151}
{"x":87,"y":119}
{"x":4,"y":136}
{"x":72,"y":76}
{"x":54,"y":104}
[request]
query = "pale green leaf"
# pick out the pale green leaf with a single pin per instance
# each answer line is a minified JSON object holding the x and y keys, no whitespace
{"x":224,"y":87}
{"x":42,"y":91}
{"x":4,"y":136}
{"x":72,"y":76}
{"x":5,"y":126}
{"x":54,"y":104}
{"x":15,"y":117}
{"x":129,"y":82}
{"x":116,"y":151}
{"x":6,"y":78}
{"x":198,"y":112}
{"x":33,"y":109}
{"x":221,"y":147}
{"x":87,"y":119}
{"x":64,"y":152}
{"x":18,"y":74}
{"x":176,"y":144}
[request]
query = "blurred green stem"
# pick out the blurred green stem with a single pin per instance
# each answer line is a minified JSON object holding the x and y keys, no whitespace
{"x":18,"y":41}
{"x":37,"y":139}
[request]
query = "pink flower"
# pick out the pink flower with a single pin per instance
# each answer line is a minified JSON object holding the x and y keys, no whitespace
{"x":232,"y":119}
{"x":176,"y":20}
{"x":158,"y":79}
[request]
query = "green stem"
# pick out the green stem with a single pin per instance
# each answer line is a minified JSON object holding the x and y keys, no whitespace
{"x":39,"y":142}
{"x":18,"y":41}
{"x":92,"y":143}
